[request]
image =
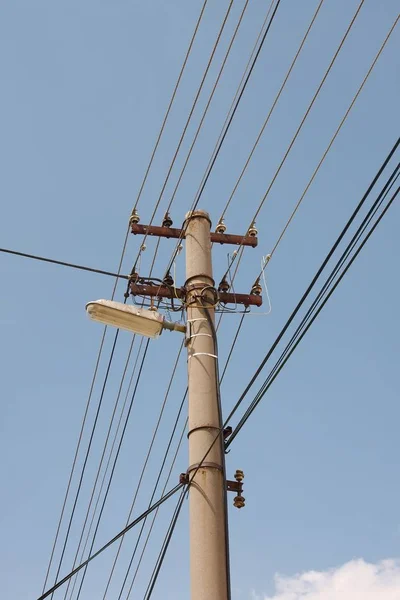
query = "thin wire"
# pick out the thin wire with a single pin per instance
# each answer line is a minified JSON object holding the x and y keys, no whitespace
{"x":309,"y":108}
{"x":271,"y":110}
{"x":156,"y":512}
{"x":187,"y":122}
{"x":242,"y":86}
{"x":146,"y":462}
{"x":86,"y":457}
{"x":208,"y":104}
{"x":332,"y":140}
{"x":170,"y":104}
{"x":165,"y":545}
{"x":115,"y":460}
{"x":62,"y":263}
{"x":107,"y":466}
{"x":152,"y":496}
{"x":277,"y":369}
{"x":114,"y":539}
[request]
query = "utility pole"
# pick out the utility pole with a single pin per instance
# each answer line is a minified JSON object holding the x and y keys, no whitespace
{"x":209,"y":559}
{"x":207,"y":503}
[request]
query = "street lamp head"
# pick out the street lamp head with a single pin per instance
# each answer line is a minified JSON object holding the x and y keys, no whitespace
{"x":148,"y":323}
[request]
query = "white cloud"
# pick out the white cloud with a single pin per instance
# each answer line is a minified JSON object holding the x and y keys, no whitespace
{"x":356,"y":580}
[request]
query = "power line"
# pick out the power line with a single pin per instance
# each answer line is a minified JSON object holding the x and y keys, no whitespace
{"x":304,"y":327}
{"x":164,"y":547}
{"x":170,"y":104}
{"x":145,"y":465}
{"x":156,"y":512}
{"x":86,"y":458}
{"x":315,"y":278}
{"x":108,"y":462}
{"x":333,"y":139}
{"x":115,"y":460}
{"x":62,"y":263}
{"x":114,"y":539}
{"x":208,"y":104}
{"x":303,"y":41}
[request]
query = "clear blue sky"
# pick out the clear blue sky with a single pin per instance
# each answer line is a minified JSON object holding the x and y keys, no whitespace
{"x":85,"y":85}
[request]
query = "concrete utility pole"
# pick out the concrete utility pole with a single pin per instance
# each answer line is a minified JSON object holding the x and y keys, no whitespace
{"x":209,"y":562}
{"x":208,"y":534}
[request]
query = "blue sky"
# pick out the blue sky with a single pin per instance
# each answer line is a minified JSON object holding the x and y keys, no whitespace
{"x":85,"y":86}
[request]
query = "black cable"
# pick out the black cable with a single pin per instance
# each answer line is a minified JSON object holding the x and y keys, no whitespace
{"x":152,"y":495}
{"x":276,"y":371}
{"x":63,"y":264}
{"x":115,"y":462}
{"x":316,"y":277}
{"x":114,"y":539}
{"x":237,"y":102}
{"x":86,"y":456}
{"x":164,"y":547}
{"x":108,"y":460}
{"x":350,"y":247}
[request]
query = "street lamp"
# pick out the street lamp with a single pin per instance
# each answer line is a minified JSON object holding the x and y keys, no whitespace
{"x":149,"y":323}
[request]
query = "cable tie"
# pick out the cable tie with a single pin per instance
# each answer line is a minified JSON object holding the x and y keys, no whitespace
{"x":202,"y":354}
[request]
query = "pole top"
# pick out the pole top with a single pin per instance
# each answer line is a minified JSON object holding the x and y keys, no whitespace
{"x":198,"y":214}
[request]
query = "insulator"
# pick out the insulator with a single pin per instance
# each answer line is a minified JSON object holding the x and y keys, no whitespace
{"x":134,"y":218}
{"x":252,"y":232}
{"x":168,"y":280}
{"x":239,"y":475}
{"x":167,"y":221}
{"x":256,"y":289}
{"x":221,"y":227}
{"x":238,"y":501}
{"x":224,"y":286}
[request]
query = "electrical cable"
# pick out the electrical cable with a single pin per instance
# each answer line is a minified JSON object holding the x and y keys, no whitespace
{"x":115,"y":461}
{"x":303,"y":41}
{"x":315,"y":278}
{"x":145,"y":464}
{"x":164,"y":547}
{"x":63,"y":264}
{"x":331,"y":142}
{"x":86,"y":458}
{"x":156,"y":511}
{"x":107,"y":467}
{"x":170,"y":104}
{"x":309,"y":108}
{"x":208,"y":105}
{"x":114,"y":539}
{"x":295,"y":342}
